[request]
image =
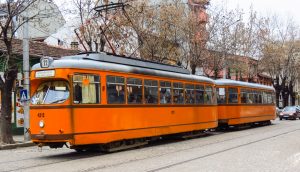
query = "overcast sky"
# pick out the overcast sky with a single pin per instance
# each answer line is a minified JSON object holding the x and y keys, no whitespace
{"x":285,"y":9}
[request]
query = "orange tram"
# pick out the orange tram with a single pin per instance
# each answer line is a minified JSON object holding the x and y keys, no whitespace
{"x":241,"y":104}
{"x":107,"y":102}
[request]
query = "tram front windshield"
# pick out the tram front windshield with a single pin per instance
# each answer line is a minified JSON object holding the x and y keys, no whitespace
{"x":51,"y":92}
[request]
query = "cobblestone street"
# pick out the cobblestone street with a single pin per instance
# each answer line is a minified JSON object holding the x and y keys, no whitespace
{"x":256,"y":149}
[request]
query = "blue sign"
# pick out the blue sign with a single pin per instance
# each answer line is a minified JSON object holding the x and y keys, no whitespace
{"x":23,"y":95}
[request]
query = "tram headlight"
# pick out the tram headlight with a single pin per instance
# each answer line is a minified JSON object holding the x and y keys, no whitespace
{"x":42,"y":124}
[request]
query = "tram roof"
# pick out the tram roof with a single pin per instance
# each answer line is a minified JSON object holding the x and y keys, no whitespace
{"x":102,"y":61}
{"x":228,"y":82}
{"x":110,"y":58}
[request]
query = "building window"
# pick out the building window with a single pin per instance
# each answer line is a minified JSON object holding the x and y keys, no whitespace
{"x":134,"y":91}
{"x":178,"y":97}
{"x":115,"y":90}
{"x":189,"y":94}
{"x":199,"y":94}
{"x":232,"y":95}
{"x":86,"y":89}
{"x":221,"y":95}
{"x":151,"y":91}
{"x":165,"y":92}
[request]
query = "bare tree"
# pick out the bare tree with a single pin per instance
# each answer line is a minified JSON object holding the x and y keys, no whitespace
{"x":280,"y":53}
{"x":235,"y":44}
{"x":12,"y":9}
{"x":111,"y":29}
{"x":89,"y":32}
{"x":223,"y":39}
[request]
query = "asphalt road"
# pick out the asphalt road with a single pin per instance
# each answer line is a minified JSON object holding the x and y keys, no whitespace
{"x":270,"y":148}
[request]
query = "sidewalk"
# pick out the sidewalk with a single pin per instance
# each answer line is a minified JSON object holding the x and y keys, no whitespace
{"x":19,"y":139}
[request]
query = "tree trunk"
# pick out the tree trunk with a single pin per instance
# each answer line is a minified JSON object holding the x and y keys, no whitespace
{"x":293,"y":99}
{"x":6,"y":108}
{"x":102,"y":43}
{"x":285,"y":97}
{"x":228,"y":73}
{"x":291,"y":92}
{"x":241,"y":76}
{"x":193,"y":67}
{"x":277,"y":93}
{"x":216,"y":72}
{"x":278,"y":89}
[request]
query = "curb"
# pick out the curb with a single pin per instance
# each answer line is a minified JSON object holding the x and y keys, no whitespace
{"x":16,"y":145}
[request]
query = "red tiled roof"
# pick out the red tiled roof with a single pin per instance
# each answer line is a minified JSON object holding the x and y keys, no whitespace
{"x":38,"y":49}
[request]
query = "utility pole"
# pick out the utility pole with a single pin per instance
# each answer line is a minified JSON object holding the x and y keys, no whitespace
{"x":26,"y":70}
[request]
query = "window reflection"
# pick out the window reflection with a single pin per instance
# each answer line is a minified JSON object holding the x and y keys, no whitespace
{"x":53,"y":92}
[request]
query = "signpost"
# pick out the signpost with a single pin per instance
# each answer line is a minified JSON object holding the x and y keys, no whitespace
{"x":23,"y":95}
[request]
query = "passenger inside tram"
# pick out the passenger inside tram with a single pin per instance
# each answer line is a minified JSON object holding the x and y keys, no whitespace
{"x":78,"y":93}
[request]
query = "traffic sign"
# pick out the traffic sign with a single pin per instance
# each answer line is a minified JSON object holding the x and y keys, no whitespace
{"x":23,"y":95}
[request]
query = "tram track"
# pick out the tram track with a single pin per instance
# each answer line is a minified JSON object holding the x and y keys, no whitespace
{"x":68,"y":157}
{"x":88,"y":155}
{"x":221,"y":151}
{"x":197,"y":146}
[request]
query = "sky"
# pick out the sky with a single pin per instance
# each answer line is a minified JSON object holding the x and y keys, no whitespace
{"x":284,"y":9}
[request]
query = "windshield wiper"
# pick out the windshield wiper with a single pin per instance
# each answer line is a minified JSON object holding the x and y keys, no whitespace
{"x":56,"y":101}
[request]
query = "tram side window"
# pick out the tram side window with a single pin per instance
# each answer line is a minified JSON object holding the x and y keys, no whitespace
{"x":86,"y":89}
{"x":214,"y":95}
{"x":178,"y":97}
{"x":134,"y":91}
{"x":189,"y":94}
{"x":259,"y":97}
{"x":151,"y":91}
{"x":165,"y":92}
{"x":273,"y":98}
{"x":269,"y":99}
{"x":232,"y":95}
{"x":208,"y":96}
{"x":265,"y":98}
{"x":255,"y":97}
{"x":221,"y":95}
{"x":199,"y":94}
{"x":250,"y":99}
{"x":244,"y":96}
{"x":115,"y":90}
